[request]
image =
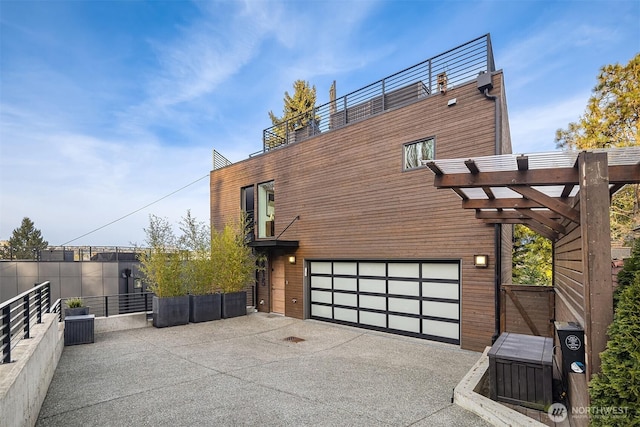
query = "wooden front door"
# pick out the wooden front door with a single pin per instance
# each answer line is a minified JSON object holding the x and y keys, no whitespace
{"x":277,"y":284}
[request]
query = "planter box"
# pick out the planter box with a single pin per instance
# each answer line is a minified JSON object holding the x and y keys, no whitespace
{"x":77,"y":311}
{"x":520,"y":370}
{"x":234,"y":304}
{"x":78,"y":329}
{"x":203,"y":308}
{"x":170,"y":311}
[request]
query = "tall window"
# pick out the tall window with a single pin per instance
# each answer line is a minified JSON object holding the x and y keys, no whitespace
{"x":247,"y":205}
{"x":415,"y":153}
{"x":266,"y":209}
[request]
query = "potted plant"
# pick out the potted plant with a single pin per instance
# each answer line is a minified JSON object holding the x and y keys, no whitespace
{"x":204,"y":301}
{"x":234,"y":267}
{"x":75,"y":307}
{"x":162,"y":265}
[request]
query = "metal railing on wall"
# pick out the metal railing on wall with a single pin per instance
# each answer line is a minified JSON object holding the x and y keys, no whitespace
{"x":432,"y":76}
{"x":19,"y":314}
{"x":111,"y":305}
{"x":80,"y":253}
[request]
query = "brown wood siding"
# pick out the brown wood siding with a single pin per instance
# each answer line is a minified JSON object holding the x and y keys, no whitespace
{"x":356,"y":202}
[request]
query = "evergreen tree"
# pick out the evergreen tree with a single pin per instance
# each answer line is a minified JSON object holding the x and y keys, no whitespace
{"x":297,"y":112}
{"x":626,"y":276}
{"x":611,"y":120}
{"x":531,"y":257}
{"x":25,"y":242}
{"x":615,"y":391}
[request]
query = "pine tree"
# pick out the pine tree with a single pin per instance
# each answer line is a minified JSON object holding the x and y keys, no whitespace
{"x":626,"y":276}
{"x":611,"y":120}
{"x":297,"y":113}
{"x":25,"y":242}
{"x":616,"y":389}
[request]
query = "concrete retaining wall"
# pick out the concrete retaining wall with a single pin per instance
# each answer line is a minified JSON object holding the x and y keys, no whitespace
{"x":24,"y":383}
{"x":121,"y":322}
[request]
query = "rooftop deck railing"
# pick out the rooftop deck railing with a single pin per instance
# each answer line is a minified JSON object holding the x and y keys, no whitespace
{"x":18,"y":314}
{"x":432,"y":76}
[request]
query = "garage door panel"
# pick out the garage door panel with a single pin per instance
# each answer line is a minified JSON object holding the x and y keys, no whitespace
{"x":350,"y":268}
{"x":404,"y":288}
{"x":440,"y":290}
{"x":345,"y":284}
{"x":401,"y":305}
{"x":345,"y":314}
{"x":411,"y":270}
{"x":440,"y":271}
{"x":373,"y":319}
{"x":321,"y":311}
{"x":321,"y":267}
{"x":402,"y":323}
{"x":321,"y":282}
{"x":376,"y":269}
{"x":345,"y":299}
{"x":368,"y":301}
{"x":418,"y":298}
{"x":441,"y":329}
{"x":321,"y":296}
{"x":441,"y":309}
{"x":373,"y":285}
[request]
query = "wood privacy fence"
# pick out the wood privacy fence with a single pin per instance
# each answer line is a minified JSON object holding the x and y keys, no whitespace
{"x":527,"y":309}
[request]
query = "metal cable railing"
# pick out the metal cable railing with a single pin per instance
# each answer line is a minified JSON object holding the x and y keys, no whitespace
{"x":432,"y":76}
{"x":111,"y":305}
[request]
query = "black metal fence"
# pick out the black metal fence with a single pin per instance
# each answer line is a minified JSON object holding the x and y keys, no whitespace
{"x":18,"y":314}
{"x":432,"y":76}
{"x":111,"y":305}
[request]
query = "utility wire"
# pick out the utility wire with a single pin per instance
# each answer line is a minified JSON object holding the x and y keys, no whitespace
{"x":136,"y":211}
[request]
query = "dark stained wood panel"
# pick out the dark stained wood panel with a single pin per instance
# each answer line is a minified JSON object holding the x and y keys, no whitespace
{"x":356,"y":202}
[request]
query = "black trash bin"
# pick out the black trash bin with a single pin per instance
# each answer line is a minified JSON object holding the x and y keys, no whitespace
{"x":571,"y":337}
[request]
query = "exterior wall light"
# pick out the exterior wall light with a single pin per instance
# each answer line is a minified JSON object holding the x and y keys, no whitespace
{"x":292,"y":259}
{"x":481,"y":261}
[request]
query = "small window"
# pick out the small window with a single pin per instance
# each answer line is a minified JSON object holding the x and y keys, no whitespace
{"x":266,"y":209}
{"x":416,"y":153}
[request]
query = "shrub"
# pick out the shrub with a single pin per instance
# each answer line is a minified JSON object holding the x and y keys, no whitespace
{"x":75,"y":302}
{"x":628,"y":272}
{"x":618,"y":383}
{"x":233,"y":262}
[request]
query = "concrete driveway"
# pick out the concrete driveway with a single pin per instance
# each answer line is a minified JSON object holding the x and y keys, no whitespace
{"x":242,"y":371}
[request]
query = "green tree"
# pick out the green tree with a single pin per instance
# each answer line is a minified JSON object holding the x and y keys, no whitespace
{"x":25,"y":242}
{"x":233,"y":262}
{"x":618,"y":383}
{"x":196,"y":241}
{"x":627,"y":275}
{"x":611,"y":120}
{"x":297,"y":113}
{"x":531,"y":257}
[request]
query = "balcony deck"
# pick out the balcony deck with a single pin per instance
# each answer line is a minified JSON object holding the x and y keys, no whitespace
{"x":243,"y":371}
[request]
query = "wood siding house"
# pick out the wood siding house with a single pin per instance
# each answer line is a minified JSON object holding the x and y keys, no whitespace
{"x":354,"y":230}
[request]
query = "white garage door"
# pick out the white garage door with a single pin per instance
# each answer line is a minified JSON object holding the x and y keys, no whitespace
{"x":415,"y":298}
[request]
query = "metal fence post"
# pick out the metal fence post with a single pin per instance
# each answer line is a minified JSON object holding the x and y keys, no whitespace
{"x":25,"y":315}
{"x":6,"y":331}
{"x":39,"y":304}
{"x":106,"y":306}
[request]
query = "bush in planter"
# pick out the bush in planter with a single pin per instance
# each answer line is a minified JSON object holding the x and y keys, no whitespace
{"x":162,"y":266}
{"x":234,"y":267}
{"x":75,"y":307}
{"x":204,"y":301}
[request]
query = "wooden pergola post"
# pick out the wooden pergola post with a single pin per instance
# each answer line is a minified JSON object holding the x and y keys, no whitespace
{"x":596,"y":254}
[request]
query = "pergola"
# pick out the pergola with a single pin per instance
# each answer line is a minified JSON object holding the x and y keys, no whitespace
{"x":564,"y":196}
{"x":539,"y":190}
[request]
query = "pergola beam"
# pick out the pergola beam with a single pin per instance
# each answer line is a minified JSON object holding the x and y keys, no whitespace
{"x":549,"y":202}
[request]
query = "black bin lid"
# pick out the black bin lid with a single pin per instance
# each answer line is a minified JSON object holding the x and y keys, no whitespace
{"x":523,"y":348}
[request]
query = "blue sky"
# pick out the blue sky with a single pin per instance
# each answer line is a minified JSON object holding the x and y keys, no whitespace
{"x":106,"y":106}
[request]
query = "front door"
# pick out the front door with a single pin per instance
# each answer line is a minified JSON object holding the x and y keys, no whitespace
{"x":277,"y":284}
